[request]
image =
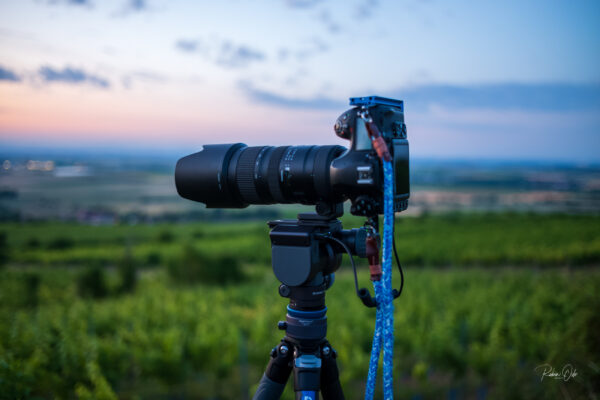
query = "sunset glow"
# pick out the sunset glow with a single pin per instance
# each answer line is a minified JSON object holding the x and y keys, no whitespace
{"x":498,"y":80}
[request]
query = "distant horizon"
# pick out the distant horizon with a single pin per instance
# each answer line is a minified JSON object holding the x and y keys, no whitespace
{"x":158,"y":152}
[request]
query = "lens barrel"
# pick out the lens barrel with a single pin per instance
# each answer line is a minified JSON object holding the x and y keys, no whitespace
{"x":234,"y":175}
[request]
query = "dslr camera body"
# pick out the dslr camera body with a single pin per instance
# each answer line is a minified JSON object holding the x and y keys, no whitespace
{"x":235,"y":175}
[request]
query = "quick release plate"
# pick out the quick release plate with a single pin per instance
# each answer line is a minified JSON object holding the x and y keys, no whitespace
{"x":369,"y":101}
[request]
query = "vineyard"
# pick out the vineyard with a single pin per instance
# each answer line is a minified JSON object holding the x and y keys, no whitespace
{"x":190,"y":310}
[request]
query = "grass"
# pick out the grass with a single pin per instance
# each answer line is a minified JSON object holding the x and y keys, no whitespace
{"x":455,"y":330}
{"x":487,"y":299}
{"x":456,"y":239}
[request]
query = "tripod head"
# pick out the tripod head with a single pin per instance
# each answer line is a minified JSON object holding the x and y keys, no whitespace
{"x":306,"y":252}
{"x":300,"y":251}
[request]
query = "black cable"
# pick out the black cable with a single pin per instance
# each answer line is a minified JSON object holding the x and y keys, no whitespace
{"x":399,"y":268}
{"x":351,"y":260}
{"x":397,"y":293}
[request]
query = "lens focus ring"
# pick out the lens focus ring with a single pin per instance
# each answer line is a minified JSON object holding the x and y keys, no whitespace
{"x":273,"y":177}
{"x":245,"y":174}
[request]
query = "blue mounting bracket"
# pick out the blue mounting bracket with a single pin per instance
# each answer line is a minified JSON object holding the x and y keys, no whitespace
{"x":369,"y":101}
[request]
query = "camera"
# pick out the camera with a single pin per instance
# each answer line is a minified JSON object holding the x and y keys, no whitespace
{"x":306,"y":252}
{"x":236,"y":175}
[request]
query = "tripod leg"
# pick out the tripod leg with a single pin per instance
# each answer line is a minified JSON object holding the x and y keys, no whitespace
{"x":278,"y":371}
{"x":330,"y":378}
{"x":307,"y":376}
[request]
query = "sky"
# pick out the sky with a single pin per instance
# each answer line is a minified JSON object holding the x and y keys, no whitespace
{"x":511,"y":80}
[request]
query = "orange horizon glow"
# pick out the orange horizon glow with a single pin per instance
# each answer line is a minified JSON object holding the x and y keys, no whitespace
{"x":64,"y":113}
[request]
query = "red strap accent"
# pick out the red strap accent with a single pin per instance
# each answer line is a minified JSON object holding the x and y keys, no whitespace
{"x":378,"y":143}
{"x":373,"y":257}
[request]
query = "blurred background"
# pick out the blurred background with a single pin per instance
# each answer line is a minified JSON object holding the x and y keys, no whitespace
{"x":111,"y":286}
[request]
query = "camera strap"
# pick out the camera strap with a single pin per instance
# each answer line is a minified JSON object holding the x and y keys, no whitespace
{"x":383,"y":337}
{"x":375,"y":135}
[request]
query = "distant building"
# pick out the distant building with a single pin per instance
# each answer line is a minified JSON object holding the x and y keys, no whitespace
{"x":35,"y":165}
{"x":96,"y":217}
{"x":72,"y":171}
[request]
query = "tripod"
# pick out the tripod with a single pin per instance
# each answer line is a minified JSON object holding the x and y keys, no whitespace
{"x":304,"y":262}
{"x":305,"y":351}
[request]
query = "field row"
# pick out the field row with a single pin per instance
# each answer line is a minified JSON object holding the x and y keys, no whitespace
{"x":458,"y":239}
{"x":456,"y":331}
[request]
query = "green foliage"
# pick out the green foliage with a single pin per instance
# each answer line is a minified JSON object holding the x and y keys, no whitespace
{"x":33,"y":243}
{"x":153,"y":258}
{"x":499,"y":239}
{"x":458,"y":330}
{"x":32,"y":282}
{"x":14,"y":384}
{"x":92,"y":283}
{"x":127,"y":272}
{"x":61,"y":243}
{"x":432,"y":240}
{"x":165,"y":236}
{"x":99,"y":388}
{"x":3,"y":249}
{"x":198,"y":234}
{"x":196,"y":266}
{"x":454,"y":329}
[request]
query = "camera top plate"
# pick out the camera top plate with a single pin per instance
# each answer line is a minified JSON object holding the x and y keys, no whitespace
{"x":369,"y":101}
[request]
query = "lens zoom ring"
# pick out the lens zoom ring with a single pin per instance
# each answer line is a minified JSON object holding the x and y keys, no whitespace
{"x":244,"y":174}
{"x":321,"y":169}
{"x":273,"y":174}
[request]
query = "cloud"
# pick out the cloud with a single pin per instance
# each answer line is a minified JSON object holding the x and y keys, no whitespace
{"x":222,"y":52}
{"x":501,"y":97}
{"x":129,"y":7}
{"x":302,"y":3}
{"x":8,"y":75}
{"x":296,"y":78}
{"x":366,"y":8}
{"x":147,"y":77}
{"x":86,"y":3}
{"x":283,"y":54}
{"x":313,"y":47}
{"x":236,"y":56}
{"x":310,"y":48}
{"x":330,"y":24}
{"x":71,"y":76}
{"x":274,"y":99}
{"x":187,"y":45}
{"x":137,"y":5}
{"x":515,"y":96}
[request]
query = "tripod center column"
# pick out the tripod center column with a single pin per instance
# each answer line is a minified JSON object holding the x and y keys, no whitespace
{"x":306,"y":325}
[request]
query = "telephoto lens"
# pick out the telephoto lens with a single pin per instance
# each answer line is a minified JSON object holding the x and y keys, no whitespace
{"x":235,"y":175}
